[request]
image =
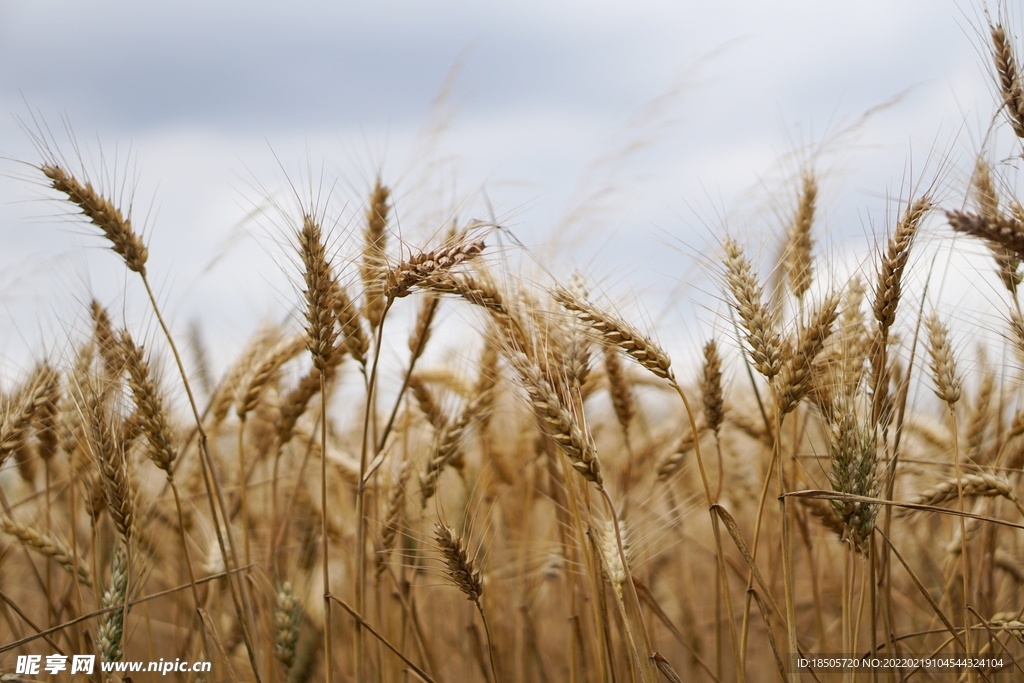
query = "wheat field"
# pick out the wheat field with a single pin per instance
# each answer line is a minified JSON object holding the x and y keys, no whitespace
{"x":535,"y":491}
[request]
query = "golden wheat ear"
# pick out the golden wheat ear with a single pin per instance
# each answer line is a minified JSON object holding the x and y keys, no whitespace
{"x":757,"y":319}
{"x":798,"y":261}
{"x":321,"y":294}
{"x":102,"y":213}
{"x":1008,"y":78}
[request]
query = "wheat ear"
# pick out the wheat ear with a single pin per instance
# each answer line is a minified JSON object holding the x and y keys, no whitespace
{"x":288,"y":615}
{"x":419,"y":268}
{"x":1000,"y":230}
{"x":321,"y":335}
{"x":982,"y":485}
{"x":757,"y":319}
{"x":103,"y":214}
{"x":798,"y":261}
{"x":48,"y":545}
{"x":462,"y":571}
{"x":1009,"y":79}
{"x":374,"y":262}
{"x":794,"y":380}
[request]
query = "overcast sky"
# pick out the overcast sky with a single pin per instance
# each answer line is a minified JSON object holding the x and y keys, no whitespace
{"x":617,"y":138}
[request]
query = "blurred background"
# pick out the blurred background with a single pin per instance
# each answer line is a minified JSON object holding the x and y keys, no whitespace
{"x":622,"y":141}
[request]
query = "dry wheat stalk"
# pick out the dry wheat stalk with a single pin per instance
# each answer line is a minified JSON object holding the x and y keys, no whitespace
{"x":797,"y":261}
{"x":485,"y":390}
{"x":823,"y":511}
{"x":1007,"y":263}
{"x":983,"y":189}
{"x":227,"y":390}
{"x":103,"y":214}
{"x":1009,"y":564}
{"x":669,"y":464}
{"x":757,"y":320}
{"x":480,"y":290}
{"x":611,"y":561}
{"x":51,"y":546}
{"x":71,"y":430}
{"x":854,"y":462}
{"x":424,"y":321}
{"x":981,"y":414}
{"x":294,"y":404}
{"x":1008,"y":621}
{"x":575,"y":352}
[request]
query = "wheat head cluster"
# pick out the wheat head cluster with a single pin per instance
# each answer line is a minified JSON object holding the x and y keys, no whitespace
{"x":558,"y":500}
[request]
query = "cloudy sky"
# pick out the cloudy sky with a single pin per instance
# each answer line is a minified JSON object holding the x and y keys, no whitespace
{"x":619,"y":139}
